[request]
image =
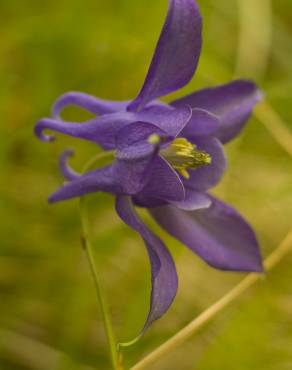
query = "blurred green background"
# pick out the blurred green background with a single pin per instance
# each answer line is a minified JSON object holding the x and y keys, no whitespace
{"x":49,"y":319}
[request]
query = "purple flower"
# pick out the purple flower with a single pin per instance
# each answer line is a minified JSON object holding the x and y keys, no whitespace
{"x":165,"y":157}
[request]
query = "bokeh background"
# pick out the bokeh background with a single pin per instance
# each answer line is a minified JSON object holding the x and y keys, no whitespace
{"x":49,"y":319}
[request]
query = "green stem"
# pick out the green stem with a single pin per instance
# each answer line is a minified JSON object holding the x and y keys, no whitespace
{"x":130,"y":343}
{"x":100,"y":158}
{"x":99,"y":291}
{"x":115,"y":357}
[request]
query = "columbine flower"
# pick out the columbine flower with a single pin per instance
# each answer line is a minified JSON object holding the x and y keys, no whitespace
{"x":167,"y":156}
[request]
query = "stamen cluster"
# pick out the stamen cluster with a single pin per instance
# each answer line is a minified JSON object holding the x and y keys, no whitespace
{"x":183,"y":155}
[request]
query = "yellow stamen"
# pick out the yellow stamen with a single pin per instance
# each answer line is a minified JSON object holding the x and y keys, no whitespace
{"x":184,"y":173}
{"x":183,"y":155}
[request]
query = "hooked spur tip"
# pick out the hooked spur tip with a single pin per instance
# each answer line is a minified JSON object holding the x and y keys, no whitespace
{"x":39,"y":132}
{"x":66,"y":170}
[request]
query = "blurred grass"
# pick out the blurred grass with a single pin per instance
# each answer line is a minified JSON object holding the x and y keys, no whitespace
{"x":48,"y":311}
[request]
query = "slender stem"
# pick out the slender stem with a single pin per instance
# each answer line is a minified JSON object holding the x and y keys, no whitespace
{"x":99,"y":291}
{"x":115,"y":357}
{"x":130,"y":343}
{"x":280,"y":252}
{"x":99,"y":158}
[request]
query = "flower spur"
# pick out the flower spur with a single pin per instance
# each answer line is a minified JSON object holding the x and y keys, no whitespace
{"x":167,"y":156}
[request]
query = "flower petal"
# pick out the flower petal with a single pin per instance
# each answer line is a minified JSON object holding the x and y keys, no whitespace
{"x":136,"y":156}
{"x":143,"y":201}
{"x":164,"y":277}
{"x":233,"y":103}
{"x":88,"y":102}
{"x":98,"y":180}
{"x":166,"y":118}
{"x":119,"y":178}
{"x":193,"y":201}
{"x":128,"y":174}
{"x":102,"y":130}
{"x":218,"y":234}
{"x":132,"y":141}
{"x":202,"y":123}
{"x":176,"y":55}
{"x":206,"y":177}
{"x":122,"y":177}
{"x":164,"y":183}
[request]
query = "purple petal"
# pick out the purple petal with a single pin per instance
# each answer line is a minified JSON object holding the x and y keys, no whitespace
{"x":128,"y":174}
{"x":202,"y":123}
{"x":132,"y":176}
{"x":233,"y":103}
{"x":136,"y":156}
{"x":103,"y":130}
{"x":163,"y":273}
{"x":119,"y":178}
{"x":166,"y":118}
{"x":206,"y":177}
{"x":218,"y":234}
{"x":98,"y":180}
{"x":143,"y":201}
{"x":193,"y":201}
{"x":122,"y":177}
{"x":88,"y":102}
{"x":164,"y":183}
{"x":132,"y":141}
{"x":177,"y":53}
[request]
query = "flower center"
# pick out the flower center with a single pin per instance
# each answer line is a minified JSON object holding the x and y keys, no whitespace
{"x":183,"y":155}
